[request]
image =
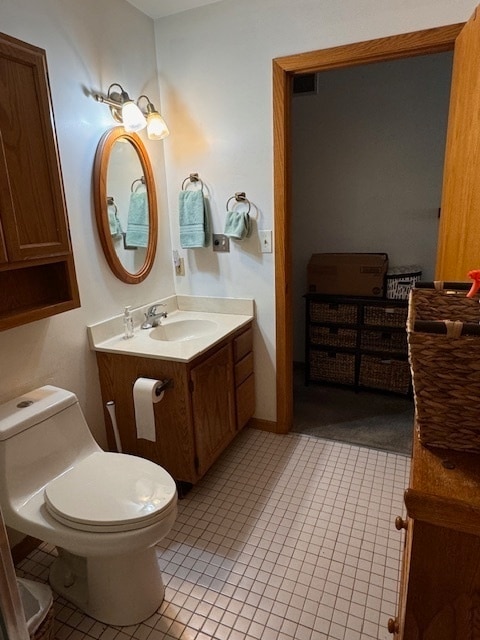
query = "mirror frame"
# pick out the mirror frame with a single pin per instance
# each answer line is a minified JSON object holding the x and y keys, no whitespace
{"x":100,"y":172}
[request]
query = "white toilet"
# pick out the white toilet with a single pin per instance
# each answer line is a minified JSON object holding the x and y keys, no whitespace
{"x":103,"y":511}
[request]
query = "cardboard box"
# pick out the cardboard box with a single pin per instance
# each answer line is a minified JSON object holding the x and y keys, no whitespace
{"x":348,"y":274}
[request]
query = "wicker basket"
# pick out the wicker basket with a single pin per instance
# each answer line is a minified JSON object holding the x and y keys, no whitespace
{"x":333,"y":336}
{"x":444,"y":352}
{"x":386,"y":341}
{"x":328,"y":366}
{"x":383,"y":373}
{"x":385,"y":316}
{"x":333,"y":312}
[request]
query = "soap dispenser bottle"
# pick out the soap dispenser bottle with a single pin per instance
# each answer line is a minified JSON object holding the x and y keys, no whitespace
{"x":128,"y":323}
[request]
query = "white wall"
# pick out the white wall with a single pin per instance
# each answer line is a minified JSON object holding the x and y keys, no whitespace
{"x":89,"y":45}
{"x":215,"y":70}
{"x":367,"y":166}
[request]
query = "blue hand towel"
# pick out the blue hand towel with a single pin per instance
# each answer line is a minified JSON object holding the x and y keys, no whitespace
{"x":137,"y":222}
{"x":114,"y":224}
{"x":192,"y":219}
{"x":237,"y":225}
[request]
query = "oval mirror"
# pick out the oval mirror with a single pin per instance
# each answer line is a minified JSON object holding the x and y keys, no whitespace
{"x":125,"y":204}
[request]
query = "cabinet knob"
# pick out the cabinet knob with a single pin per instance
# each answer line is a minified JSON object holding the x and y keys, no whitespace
{"x":400,"y":523}
{"x":392,"y":625}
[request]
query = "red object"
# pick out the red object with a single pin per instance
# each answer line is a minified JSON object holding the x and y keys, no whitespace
{"x":475,"y":276}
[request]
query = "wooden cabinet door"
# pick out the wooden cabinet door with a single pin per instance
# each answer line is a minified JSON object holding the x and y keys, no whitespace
{"x":443,"y":585}
{"x":213,"y":406}
{"x":459,"y":232}
{"x":32,"y":207}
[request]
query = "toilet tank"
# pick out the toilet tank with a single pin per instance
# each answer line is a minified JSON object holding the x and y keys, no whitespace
{"x":42,"y":434}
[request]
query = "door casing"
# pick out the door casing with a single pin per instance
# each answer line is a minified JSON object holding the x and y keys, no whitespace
{"x":428,"y":41}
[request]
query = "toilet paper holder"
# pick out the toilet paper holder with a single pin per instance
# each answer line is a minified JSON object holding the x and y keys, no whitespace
{"x":168,"y":382}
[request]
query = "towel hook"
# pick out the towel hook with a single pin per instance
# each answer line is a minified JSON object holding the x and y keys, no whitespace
{"x":240,"y":197}
{"x":141,"y":180}
{"x":193,"y":177}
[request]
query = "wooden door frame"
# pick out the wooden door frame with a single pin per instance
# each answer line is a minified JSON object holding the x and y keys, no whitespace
{"x":429,"y":41}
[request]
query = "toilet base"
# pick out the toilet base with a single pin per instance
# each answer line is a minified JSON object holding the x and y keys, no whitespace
{"x":117,"y":590}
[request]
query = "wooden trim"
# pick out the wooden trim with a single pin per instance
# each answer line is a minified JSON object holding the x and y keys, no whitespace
{"x":283,"y":250}
{"x":405,"y":45}
{"x":263,"y":425}
{"x":424,"y":42}
{"x":443,"y":512}
{"x":100,"y":195}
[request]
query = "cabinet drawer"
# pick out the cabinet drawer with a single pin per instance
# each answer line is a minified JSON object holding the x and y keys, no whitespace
{"x":389,"y":341}
{"x":245,"y":396}
{"x":243,"y":368}
{"x":386,"y":374}
{"x":385,"y":316}
{"x":333,"y":312}
{"x":333,"y":336}
{"x":242,"y":344}
{"x":332,"y":367}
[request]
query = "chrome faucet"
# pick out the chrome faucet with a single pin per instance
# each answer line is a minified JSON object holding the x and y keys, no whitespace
{"x":152,"y":318}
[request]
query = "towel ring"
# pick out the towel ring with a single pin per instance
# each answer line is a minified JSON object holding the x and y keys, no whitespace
{"x":141,"y":180}
{"x":111,"y":203}
{"x":193,"y":177}
{"x":240,"y":197}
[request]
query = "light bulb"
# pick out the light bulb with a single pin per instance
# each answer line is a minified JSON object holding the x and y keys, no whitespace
{"x":133,"y":118}
{"x":156,"y":127}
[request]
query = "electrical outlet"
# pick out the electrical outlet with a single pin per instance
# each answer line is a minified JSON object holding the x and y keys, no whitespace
{"x":180,"y":267}
{"x":221,"y":243}
{"x":265,"y":236}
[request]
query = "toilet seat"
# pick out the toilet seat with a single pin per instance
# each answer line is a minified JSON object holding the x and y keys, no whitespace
{"x":111,"y":492}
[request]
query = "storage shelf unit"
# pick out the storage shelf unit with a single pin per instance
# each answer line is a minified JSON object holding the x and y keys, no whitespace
{"x":357,"y":342}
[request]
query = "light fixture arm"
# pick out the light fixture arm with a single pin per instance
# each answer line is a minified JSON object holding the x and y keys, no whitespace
{"x":149,"y":102}
{"x":105,"y":100}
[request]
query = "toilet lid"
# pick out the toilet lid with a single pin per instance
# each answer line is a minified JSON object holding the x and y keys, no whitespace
{"x":111,"y":492}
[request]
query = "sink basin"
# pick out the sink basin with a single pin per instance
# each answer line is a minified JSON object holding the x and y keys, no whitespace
{"x":181,"y":330}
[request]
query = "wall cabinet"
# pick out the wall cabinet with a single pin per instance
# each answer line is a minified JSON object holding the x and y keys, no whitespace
{"x":358,"y":342}
{"x":37,"y":274}
{"x":209,"y":400}
{"x":440,"y":579}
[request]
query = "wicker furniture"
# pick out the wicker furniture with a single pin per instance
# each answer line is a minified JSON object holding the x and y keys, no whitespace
{"x":357,"y":342}
{"x":444,"y":345}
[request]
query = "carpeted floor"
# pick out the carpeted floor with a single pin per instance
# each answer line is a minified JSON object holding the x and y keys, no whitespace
{"x":375,"y":420}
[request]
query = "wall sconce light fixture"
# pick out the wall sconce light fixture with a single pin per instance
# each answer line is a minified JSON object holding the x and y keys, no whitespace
{"x":129,"y":113}
{"x":156,"y":126}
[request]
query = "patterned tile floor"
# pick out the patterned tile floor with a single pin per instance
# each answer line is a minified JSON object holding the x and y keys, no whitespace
{"x":286,"y":537}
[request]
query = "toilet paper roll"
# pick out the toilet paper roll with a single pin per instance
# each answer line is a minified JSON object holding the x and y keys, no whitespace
{"x":145,"y":394}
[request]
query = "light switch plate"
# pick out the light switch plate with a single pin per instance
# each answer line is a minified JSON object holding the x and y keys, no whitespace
{"x":221,"y":243}
{"x":265,"y":236}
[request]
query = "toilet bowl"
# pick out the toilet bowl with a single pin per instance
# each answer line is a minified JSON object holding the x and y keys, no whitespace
{"x":103,"y":511}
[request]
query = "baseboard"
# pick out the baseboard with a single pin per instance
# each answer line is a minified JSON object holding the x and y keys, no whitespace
{"x":263,"y":425}
{"x":21,"y":550}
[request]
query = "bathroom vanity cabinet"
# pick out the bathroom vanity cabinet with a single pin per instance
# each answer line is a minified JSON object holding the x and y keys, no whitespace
{"x":440,"y":583}
{"x":37,"y":274}
{"x":208,"y":401}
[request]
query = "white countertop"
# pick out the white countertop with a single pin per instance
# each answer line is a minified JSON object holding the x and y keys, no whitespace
{"x":143,"y":343}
